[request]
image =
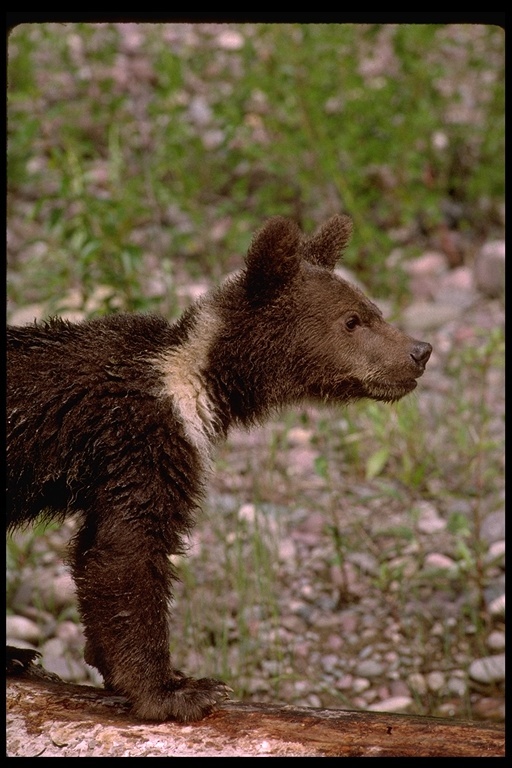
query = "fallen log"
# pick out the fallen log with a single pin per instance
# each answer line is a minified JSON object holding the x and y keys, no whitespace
{"x":48,"y":718}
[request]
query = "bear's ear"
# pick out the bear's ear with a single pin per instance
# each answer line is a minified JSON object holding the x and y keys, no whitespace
{"x":329,"y":241}
{"x":273,"y":258}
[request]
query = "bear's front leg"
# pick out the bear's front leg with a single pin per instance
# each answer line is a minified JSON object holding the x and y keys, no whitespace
{"x":123,"y":580}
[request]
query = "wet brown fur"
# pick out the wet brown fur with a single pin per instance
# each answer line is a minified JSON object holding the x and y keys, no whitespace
{"x":114,"y":420}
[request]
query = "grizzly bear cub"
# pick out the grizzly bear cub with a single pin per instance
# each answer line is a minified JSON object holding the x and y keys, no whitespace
{"x":114,"y":420}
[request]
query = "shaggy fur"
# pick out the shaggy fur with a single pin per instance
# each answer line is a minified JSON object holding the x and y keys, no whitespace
{"x":114,"y":420}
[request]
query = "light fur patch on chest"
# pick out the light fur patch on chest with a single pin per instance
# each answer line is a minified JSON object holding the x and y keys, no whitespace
{"x":182,"y":381}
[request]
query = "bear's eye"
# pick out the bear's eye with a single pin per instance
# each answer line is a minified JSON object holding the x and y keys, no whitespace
{"x":352,"y":322}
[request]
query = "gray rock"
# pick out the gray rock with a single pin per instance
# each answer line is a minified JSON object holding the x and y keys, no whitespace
{"x":369,"y":668}
{"x":26,"y":315}
{"x":457,"y":686}
{"x":435,"y":681}
{"x":365,"y":561}
{"x":428,"y":315}
{"x":393,"y":704}
{"x":330,"y":662}
{"x":456,"y":287}
{"x":360,"y":684}
{"x":437,"y":561}
{"x":497,"y":606}
{"x":489,"y":269}
{"x":489,"y":669}
{"x":493,"y":527}
{"x":21,"y":628}
{"x":496,"y":553}
{"x":429,"y":520}
{"x":56,"y":659}
{"x":46,"y":588}
{"x":417,"y":683}
{"x":496,"y":641}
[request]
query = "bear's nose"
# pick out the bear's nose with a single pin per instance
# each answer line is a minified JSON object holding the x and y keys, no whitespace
{"x":421,"y":352}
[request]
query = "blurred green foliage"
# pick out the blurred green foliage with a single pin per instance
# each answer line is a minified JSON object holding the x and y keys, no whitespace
{"x":179,"y":140}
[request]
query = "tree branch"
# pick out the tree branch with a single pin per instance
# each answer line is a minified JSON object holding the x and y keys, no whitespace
{"x":55,"y":719}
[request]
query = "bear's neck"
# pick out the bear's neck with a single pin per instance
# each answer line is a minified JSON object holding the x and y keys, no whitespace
{"x":223,"y":373}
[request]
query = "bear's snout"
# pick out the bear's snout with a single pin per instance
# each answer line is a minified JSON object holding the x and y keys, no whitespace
{"x":420,"y":353}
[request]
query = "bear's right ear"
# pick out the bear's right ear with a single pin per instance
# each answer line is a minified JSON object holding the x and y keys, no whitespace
{"x":328,"y":243}
{"x":273,"y":259}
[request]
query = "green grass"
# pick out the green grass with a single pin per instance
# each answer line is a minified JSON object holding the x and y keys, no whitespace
{"x":185,"y":160}
{"x":222,"y":615}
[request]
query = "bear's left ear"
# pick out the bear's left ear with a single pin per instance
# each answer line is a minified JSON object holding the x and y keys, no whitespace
{"x":329,"y":241}
{"x":273,"y":259}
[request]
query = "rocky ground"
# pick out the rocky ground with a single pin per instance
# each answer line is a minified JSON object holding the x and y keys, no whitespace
{"x":309,"y":583}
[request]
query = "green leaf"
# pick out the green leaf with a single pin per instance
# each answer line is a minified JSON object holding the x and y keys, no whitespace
{"x":377,"y":462}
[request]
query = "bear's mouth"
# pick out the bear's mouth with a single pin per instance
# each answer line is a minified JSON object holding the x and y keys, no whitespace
{"x":390,"y":391}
